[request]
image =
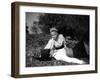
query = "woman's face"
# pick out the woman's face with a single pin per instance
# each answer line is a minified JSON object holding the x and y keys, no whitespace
{"x":54,"y":35}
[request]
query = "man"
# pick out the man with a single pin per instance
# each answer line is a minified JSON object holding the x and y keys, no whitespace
{"x":58,"y":49}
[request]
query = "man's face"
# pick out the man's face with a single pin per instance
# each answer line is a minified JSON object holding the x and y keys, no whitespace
{"x":54,"y":35}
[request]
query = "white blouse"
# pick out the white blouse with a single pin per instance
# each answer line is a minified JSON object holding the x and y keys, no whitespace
{"x":51,"y":43}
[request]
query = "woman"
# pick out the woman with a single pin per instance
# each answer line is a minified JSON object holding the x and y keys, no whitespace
{"x":57,"y":45}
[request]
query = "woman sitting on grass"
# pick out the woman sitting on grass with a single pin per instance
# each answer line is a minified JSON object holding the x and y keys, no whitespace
{"x":57,"y":46}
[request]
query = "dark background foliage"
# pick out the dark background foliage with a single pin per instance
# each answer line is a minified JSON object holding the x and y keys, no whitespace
{"x":76,"y":26}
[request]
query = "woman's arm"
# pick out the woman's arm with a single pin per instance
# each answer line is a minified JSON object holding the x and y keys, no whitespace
{"x":49,"y":44}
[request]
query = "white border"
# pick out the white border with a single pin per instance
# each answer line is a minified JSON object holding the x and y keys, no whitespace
{"x":50,"y":69}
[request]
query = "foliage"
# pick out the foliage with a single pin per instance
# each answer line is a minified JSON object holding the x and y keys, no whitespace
{"x":76,"y":26}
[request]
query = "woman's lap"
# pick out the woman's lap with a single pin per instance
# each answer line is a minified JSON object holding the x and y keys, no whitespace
{"x":59,"y":54}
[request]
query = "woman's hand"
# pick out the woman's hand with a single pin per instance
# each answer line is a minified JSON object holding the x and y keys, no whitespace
{"x":51,"y":52}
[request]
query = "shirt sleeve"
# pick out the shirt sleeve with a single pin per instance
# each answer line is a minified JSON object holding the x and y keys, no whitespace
{"x":60,"y":41}
{"x":49,"y":44}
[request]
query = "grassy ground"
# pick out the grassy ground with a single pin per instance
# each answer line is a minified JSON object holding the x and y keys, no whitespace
{"x":32,"y":62}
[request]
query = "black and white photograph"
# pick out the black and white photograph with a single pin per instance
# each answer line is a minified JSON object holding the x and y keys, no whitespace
{"x":56,"y":39}
{"x":51,"y":39}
